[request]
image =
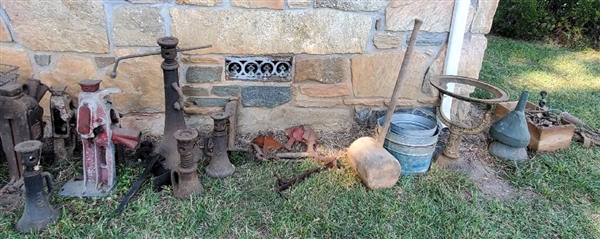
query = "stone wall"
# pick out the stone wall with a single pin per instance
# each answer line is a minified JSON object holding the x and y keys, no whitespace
{"x":345,"y":53}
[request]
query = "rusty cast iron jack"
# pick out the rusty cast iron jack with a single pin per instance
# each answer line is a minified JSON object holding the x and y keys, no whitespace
{"x":99,"y":127}
{"x":38,"y":213}
{"x":185,"y":177}
{"x":20,"y":120}
{"x":220,"y":166}
{"x":173,"y":98}
{"x":62,"y":112}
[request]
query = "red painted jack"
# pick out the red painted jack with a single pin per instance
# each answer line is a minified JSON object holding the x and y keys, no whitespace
{"x":98,"y":125}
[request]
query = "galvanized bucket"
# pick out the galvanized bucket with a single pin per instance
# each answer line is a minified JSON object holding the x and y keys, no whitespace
{"x":413,"y":152}
{"x":411,"y":124}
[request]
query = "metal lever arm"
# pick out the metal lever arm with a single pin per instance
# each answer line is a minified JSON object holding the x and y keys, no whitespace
{"x":113,"y":74}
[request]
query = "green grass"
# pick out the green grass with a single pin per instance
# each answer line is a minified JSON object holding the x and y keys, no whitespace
{"x":335,"y":204}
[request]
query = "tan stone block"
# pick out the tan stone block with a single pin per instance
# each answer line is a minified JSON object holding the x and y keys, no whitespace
{"x":282,"y":117}
{"x":364,"y":102}
{"x":401,"y":103}
{"x":375,"y":75}
{"x":201,"y":110}
{"x":482,"y":22}
{"x":350,"y":5}
{"x":211,"y":60}
{"x":200,"y":2}
{"x":148,"y":124}
{"x":321,"y":90}
{"x":311,"y":102}
{"x":137,"y":26}
{"x":4,"y":33}
{"x":312,"y":32}
{"x":387,"y":40}
{"x":471,"y":56}
{"x":271,"y":4}
{"x":11,"y":54}
{"x":148,"y":1}
{"x":81,"y":26}
{"x":436,"y":68}
{"x":68,"y":71}
{"x":436,"y":15}
{"x":141,"y":83}
{"x":327,"y":70}
{"x":298,"y":3}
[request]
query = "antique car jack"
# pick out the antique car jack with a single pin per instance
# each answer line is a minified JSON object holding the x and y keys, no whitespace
{"x":20,"y":120}
{"x":38,"y":212}
{"x":62,"y":112}
{"x":99,"y":127}
{"x":185,"y":177}
{"x":173,"y":99}
{"x":220,"y":166}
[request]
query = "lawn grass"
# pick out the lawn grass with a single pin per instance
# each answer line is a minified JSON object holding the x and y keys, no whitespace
{"x":335,"y":204}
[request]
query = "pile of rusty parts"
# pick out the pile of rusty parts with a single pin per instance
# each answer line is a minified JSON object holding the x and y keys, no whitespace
{"x":263,"y":145}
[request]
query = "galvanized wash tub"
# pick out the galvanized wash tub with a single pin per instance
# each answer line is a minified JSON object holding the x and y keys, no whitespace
{"x":414,"y":152}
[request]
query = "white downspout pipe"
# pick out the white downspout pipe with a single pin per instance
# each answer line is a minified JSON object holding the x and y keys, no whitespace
{"x":455,"y":42}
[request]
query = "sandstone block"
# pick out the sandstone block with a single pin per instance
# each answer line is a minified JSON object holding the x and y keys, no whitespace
{"x":375,"y":75}
{"x":482,"y":22}
{"x":350,"y":5}
{"x":375,"y":166}
{"x":271,"y":4}
{"x":436,"y":16}
{"x":81,"y":26}
{"x":215,"y":60}
{"x":364,"y":102}
{"x":194,"y":91}
{"x":327,"y":70}
{"x":208,"y":102}
{"x":68,"y":70}
{"x":265,"y":96}
{"x":147,"y":1}
{"x":141,"y":83}
{"x":201,"y":110}
{"x":228,"y":90}
{"x":311,"y":102}
{"x":471,"y":56}
{"x":103,"y":61}
{"x":312,"y":32}
{"x":284,"y":116}
{"x":325,"y":90}
{"x":298,"y":3}
{"x":11,"y":54}
{"x":199,"y":2}
{"x":137,"y":26}
{"x":203,"y":74}
{"x":4,"y":33}
{"x":387,"y":40}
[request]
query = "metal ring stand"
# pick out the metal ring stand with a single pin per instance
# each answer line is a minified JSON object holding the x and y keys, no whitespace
{"x":450,"y":158}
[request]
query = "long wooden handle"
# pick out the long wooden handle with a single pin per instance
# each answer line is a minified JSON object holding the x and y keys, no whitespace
{"x":399,"y":80}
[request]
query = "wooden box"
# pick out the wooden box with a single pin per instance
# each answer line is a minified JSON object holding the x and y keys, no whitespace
{"x":543,"y":139}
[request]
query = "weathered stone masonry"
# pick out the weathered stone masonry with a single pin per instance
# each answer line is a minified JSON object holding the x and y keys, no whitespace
{"x":346,"y":53}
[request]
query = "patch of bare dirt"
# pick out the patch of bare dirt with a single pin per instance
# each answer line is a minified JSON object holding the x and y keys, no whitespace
{"x":484,"y":172}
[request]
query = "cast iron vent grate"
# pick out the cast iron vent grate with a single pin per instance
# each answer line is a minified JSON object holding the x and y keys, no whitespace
{"x":259,"y":68}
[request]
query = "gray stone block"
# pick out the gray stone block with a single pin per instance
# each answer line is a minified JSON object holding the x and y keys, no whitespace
{"x":230,"y":90}
{"x":194,"y":91}
{"x":203,"y":74}
{"x":208,"y":102}
{"x":42,"y":60}
{"x":265,"y":96}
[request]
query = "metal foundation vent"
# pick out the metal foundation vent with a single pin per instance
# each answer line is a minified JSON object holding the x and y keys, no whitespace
{"x":259,"y":68}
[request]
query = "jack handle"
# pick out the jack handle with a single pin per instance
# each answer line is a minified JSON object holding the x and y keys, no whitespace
{"x":113,"y":74}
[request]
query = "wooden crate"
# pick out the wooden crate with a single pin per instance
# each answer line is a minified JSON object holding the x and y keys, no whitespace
{"x":543,"y":139}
